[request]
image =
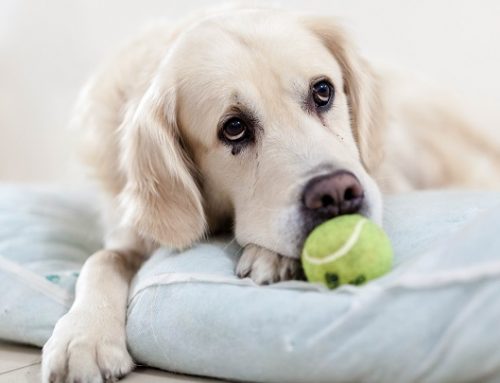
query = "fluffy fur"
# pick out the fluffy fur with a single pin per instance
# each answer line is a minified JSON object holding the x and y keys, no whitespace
{"x":152,"y":118}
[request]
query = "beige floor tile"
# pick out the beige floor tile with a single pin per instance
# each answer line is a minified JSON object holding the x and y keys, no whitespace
{"x":21,"y":364}
{"x":29,"y":374}
{"x":149,"y":375}
{"x":13,"y":356}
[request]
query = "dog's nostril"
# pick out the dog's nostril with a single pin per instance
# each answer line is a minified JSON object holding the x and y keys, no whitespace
{"x":327,"y":200}
{"x":349,"y":194}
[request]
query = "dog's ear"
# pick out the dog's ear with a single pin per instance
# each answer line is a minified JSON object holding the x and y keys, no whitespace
{"x":361,"y":86}
{"x":161,"y":198}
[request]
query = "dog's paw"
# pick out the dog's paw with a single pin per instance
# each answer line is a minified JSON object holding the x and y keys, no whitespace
{"x":86,"y":348}
{"x":265,"y":266}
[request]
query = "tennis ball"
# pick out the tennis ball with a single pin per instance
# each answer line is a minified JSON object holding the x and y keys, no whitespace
{"x":349,"y":249}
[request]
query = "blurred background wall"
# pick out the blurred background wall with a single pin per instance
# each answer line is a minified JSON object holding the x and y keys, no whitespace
{"x":48,"y":49}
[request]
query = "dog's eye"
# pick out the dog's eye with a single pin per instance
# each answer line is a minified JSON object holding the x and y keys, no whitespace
{"x":322,"y":93}
{"x":234,"y":130}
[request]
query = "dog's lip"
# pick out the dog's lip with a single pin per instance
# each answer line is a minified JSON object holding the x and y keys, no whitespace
{"x":309,"y":227}
{"x":332,"y":212}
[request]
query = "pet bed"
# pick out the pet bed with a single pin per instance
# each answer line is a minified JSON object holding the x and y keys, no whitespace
{"x":434,"y":318}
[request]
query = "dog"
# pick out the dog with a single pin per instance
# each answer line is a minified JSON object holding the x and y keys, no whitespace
{"x":254,"y":120}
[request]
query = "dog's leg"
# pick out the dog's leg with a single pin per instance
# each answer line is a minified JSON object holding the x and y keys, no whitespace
{"x":89,"y":343}
{"x":265,"y":266}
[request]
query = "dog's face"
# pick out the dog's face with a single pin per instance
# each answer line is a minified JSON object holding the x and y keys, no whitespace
{"x":267,"y":113}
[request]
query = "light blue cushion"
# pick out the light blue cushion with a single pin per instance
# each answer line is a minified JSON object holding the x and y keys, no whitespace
{"x":45,"y":236}
{"x":434,"y":318}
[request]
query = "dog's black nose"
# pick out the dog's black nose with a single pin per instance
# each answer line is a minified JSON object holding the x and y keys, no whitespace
{"x":331,"y":195}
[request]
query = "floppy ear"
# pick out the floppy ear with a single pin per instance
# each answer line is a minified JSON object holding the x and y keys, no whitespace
{"x":161,"y":198}
{"x":361,"y":86}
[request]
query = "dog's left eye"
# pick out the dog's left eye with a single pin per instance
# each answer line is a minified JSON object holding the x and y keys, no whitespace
{"x":234,"y":130}
{"x":322,"y":93}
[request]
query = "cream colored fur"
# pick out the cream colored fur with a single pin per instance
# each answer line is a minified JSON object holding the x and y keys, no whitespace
{"x":152,"y":116}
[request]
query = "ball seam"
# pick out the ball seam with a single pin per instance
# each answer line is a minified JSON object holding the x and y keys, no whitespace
{"x":346,"y":247}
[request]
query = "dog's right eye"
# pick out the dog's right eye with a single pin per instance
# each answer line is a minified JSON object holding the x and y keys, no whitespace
{"x":322,"y":93}
{"x":235,"y":130}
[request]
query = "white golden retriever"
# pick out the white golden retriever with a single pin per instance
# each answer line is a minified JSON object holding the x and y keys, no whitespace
{"x":256,"y":119}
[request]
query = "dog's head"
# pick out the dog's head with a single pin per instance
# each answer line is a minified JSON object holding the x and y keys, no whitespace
{"x":259,"y":117}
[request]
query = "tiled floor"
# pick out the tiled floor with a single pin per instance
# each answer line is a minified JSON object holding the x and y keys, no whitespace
{"x":21,"y":364}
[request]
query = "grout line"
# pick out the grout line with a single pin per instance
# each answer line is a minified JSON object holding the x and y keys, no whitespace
{"x":19,"y":368}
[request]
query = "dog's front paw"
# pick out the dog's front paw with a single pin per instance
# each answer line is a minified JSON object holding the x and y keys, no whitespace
{"x":86,"y":348}
{"x":265,"y":266}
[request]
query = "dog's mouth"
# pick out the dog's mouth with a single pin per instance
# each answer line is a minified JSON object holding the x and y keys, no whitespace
{"x":317,"y":199}
{"x":296,"y":231}
{"x":310,"y":223}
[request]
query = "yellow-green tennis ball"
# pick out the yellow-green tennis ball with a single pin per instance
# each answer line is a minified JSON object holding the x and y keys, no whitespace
{"x":349,"y":249}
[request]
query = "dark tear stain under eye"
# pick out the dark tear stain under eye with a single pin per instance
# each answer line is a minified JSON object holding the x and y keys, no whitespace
{"x":323,"y":122}
{"x":236,"y":150}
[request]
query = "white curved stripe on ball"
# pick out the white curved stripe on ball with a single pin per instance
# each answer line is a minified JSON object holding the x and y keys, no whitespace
{"x":348,"y":245}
